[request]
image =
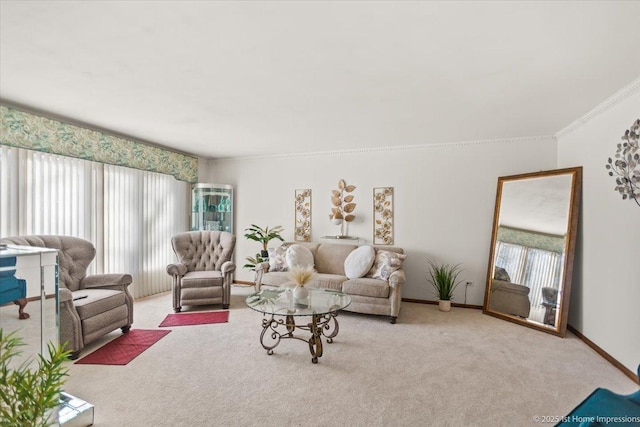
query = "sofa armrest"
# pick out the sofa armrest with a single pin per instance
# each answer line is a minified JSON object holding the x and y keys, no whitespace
{"x":397,"y":278}
{"x":65,"y":295}
{"x":178,"y":269}
{"x":106,"y":280}
{"x":261,"y":268}
{"x":509,"y":287}
{"x":228,"y":267}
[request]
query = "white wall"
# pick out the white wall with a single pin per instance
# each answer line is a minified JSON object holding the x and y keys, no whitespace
{"x":444,"y":199}
{"x":605,"y":297}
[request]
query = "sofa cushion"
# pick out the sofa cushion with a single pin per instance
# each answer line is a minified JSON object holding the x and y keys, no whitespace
{"x":320,"y":281}
{"x":277,"y":259}
{"x":299,"y":256}
{"x":359,"y":262}
{"x":386,"y":263}
{"x":276,"y":278}
{"x":328,"y":281}
{"x":330,"y":257}
{"x":366,"y":287}
{"x":91,"y":302}
{"x":199,"y":279}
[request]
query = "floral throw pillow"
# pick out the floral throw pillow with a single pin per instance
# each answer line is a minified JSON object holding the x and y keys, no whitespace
{"x":277,"y":259}
{"x":386,"y":263}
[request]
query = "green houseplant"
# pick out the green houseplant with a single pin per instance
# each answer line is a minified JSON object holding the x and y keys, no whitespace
{"x":30,"y":394}
{"x":443,"y":278}
{"x":263,"y":236}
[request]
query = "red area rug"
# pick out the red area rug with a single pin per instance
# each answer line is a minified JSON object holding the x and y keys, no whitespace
{"x":125,"y":348}
{"x":200,"y":318}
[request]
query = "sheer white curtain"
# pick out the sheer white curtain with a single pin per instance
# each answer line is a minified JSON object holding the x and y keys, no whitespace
{"x":128,"y":214}
{"x":534,"y":268}
{"x":46,"y":194}
{"x":143,"y":209}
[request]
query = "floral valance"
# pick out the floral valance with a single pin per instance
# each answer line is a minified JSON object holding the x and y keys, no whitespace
{"x":24,"y":130}
{"x":531,"y":239}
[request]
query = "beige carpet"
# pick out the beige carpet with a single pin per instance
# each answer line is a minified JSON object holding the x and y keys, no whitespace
{"x":431,"y":368}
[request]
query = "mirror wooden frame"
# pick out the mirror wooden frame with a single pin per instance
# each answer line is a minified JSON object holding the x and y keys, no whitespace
{"x":560,"y":328}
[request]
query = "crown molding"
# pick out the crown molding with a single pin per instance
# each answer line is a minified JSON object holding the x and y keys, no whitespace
{"x":518,"y":140}
{"x":616,"y":98}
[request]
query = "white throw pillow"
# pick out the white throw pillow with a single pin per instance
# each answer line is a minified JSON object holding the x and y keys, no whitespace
{"x":299,"y":256}
{"x":359,"y":262}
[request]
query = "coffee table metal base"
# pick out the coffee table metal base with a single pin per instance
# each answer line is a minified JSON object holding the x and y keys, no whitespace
{"x":275,"y":330}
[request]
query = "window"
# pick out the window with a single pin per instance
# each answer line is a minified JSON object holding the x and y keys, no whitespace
{"x":128,"y":214}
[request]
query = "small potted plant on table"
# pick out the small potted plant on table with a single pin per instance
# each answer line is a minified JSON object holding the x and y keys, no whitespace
{"x":443,"y":278}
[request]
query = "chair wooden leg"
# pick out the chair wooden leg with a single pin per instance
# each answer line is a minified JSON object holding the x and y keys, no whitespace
{"x":74,"y":355}
{"x":125,"y":329}
{"x":225,"y":306}
{"x":177,"y":309}
{"x":21,"y":303}
{"x":392,"y":319}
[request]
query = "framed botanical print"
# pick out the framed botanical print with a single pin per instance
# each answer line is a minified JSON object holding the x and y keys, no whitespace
{"x":383,"y":216}
{"x":302,"y":224}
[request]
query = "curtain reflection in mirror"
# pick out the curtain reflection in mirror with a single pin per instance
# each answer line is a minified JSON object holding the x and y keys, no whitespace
{"x":536,"y":269}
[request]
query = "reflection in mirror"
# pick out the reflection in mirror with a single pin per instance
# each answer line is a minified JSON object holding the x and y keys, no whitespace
{"x":532,"y":249}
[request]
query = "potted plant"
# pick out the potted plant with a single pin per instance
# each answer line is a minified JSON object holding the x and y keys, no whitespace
{"x":263,"y":236}
{"x":443,"y":278}
{"x":30,"y":396}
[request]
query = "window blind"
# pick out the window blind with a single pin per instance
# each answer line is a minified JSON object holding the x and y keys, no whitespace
{"x":128,"y":214}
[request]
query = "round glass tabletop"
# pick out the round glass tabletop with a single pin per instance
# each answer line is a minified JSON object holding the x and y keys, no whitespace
{"x":281,"y":301}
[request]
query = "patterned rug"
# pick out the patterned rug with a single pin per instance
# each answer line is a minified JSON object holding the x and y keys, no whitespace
{"x":125,"y":348}
{"x":200,"y":318}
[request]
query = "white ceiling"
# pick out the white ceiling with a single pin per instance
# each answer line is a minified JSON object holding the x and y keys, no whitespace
{"x":227,"y":79}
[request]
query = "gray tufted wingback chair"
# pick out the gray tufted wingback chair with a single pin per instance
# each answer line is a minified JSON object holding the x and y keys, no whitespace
{"x":203,"y":273}
{"x":90,"y":306}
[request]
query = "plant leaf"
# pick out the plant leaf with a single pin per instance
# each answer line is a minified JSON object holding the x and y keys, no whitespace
{"x":341,"y":184}
{"x":349,"y":218}
{"x":349,"y":188}
{"x":348,"y":199}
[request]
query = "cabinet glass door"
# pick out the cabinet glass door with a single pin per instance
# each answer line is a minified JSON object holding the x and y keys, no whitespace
{"x":212,"y":207}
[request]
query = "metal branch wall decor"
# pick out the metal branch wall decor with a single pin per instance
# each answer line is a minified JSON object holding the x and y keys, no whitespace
{"x":626,"y":167}
{"x":303,"y":215}
{"x":342,"y":204}
{"x":383,"y":216}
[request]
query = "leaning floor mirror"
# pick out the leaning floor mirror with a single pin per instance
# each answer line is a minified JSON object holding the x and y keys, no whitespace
{"x":532,"y":249}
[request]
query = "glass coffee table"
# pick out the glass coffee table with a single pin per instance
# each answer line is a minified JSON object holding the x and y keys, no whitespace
{"x":283,"y":314}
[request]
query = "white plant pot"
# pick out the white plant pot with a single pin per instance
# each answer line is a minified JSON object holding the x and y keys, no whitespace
{"x":300,"y":293}
{"x":444,"y":305}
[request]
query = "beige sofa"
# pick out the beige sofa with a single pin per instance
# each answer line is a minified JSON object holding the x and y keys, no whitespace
{"x":368,"y":295}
